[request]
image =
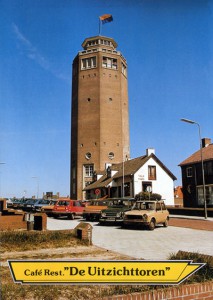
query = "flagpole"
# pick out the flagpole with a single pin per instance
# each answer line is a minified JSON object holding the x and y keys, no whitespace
{"x":100,"y":26}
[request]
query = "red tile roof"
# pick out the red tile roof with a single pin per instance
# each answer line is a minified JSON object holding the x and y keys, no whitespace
{"x":196,"y":157}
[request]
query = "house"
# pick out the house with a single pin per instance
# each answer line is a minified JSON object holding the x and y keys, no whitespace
{"x":130,"y":177}
{"x":192,"y":177}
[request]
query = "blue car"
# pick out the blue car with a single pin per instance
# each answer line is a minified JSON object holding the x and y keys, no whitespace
{"x":29,"y":205}
{"x":40,"y":203}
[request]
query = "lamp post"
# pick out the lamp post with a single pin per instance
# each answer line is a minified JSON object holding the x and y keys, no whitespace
{"x":1,"y":163}
{"x":123,"y":188}
{"x":123,"y":180}
{"x":37,"y":179}
{"x":202,"y":166}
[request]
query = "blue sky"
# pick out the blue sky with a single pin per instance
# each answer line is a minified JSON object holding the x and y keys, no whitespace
{"x":168,"y":45}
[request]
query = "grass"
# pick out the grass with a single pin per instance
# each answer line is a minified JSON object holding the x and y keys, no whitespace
{"x":205,"y":273}
{"x":32,"y":240}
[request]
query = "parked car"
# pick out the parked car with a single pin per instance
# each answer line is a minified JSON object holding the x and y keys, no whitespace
{"x":19,"y":203}
{"x":86,"y":202}
{"x":29,"y":205}
{"x":40,"y":203}
{"x":9,"y":203}
{"x":147,"y":213}
{"x":69,"y":208}
{"x":15,"y":202}
{"x":115,"y":212}
{"x":92,"y":212}
{"x":47,"y":209}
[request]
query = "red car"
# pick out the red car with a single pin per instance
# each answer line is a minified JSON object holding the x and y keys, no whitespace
{"x":69,"y":208}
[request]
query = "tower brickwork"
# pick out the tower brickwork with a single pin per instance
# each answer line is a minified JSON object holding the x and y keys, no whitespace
{"x":100,"y":118}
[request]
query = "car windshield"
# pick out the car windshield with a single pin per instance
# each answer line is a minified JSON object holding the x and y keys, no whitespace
{"x":63,"y":203}
{"x":43,"y":202}
{"x":30,"y":202}
{"x":53,"y":202}
{"x":118,"y":203}
{"x":101,"y":203}
{"x":144,"y":206}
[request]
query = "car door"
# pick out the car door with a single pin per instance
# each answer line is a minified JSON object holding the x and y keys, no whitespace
{"x":62,"y":205}
{"x":77,"y":207}
{"x":160,"y":216}
{"x":164,"y":211}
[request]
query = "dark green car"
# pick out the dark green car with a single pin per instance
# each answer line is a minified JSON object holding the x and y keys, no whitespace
{"x":115,"y":213}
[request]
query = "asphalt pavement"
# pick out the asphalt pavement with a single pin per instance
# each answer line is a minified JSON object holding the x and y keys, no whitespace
{"x":144,"y":244}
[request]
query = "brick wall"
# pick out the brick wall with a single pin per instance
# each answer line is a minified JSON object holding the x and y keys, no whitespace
{"x":196,"y":291}
{"x":12,"y":222}
{"x":83,"y":231}
{"x":3,"y":204}
{"x":40,"y":221}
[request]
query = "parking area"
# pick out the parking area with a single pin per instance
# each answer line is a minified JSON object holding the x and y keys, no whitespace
{"x":144,"y":244}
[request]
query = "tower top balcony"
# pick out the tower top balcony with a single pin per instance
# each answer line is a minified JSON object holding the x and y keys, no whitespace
{"x":98,"y":41}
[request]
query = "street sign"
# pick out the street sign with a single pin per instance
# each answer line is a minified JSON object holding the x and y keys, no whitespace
{"x":97,"y":191}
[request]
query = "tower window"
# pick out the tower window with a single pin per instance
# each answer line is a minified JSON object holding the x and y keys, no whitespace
{"x":105,"y":42}
{"x":110,"y":63}
{"x":88,"y":63}
{"x":111,"y":155}
{"x":88,"y":170}
{"x":123,"y":69}
{"x":88,"y":155}
{"x":88,"y":99}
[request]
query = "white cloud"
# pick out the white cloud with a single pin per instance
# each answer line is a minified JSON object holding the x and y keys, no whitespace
{"x":33,"y":54}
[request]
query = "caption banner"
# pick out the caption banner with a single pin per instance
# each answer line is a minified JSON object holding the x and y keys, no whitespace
{"x":100,"y":272}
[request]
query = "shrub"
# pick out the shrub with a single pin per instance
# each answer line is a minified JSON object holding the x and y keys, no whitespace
{"x":148,"y":196}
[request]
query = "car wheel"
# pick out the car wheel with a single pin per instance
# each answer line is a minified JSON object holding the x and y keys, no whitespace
{"x":166,"y":223}
{"x":152,"y":224}
{"x":70,"y":217}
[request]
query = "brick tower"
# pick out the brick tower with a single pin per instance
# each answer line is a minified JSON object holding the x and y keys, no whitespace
{"x":100,"y":118}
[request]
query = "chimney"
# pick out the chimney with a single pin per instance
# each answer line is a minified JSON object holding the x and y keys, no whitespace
{"x":150,"y":151}
{"x":206,"y":142}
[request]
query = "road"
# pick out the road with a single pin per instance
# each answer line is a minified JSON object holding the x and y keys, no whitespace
{"x":143,"y":244}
